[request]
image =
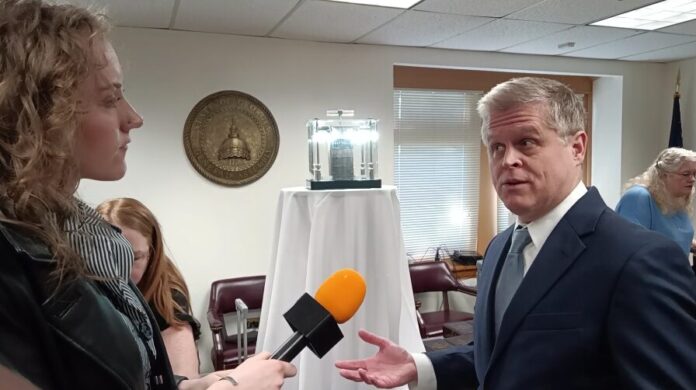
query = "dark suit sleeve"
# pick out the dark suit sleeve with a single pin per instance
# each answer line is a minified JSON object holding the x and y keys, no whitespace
{"x":454,"y":368}
{"x":652,"y":320}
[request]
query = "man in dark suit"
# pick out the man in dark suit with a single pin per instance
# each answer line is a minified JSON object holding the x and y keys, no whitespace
{"x":572,"y":296}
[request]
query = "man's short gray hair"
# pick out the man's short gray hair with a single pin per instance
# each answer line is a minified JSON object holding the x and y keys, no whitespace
{"x":565,"y":112}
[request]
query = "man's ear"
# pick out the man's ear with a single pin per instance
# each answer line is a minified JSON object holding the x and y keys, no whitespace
{"x":578,"y":144}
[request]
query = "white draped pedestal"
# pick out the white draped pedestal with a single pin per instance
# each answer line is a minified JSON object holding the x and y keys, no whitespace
{"x":318,"y":233}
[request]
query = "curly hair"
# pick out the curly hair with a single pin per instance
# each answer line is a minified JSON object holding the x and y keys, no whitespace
{"x":565,"y":112}
{"x":161,"y":278}
{"x":668,"y":161}
{"x":46,"y":54}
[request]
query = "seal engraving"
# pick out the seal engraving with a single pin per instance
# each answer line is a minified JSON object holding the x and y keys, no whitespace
{"x":231,"y":138}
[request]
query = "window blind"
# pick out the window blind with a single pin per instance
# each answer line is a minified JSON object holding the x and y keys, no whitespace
{"x":436,"y":168}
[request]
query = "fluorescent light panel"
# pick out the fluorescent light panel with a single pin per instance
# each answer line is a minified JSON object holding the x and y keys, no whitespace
{"x":383,"y":3}
{"x":654,"y":16}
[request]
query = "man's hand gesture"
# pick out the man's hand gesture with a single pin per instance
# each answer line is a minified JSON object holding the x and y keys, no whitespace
{"x":392,"y":366}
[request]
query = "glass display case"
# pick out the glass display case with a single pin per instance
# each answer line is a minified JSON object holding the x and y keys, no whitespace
{"x":342,"y":152}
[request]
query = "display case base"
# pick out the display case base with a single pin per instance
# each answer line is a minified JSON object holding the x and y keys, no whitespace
{"x":343,"y":184}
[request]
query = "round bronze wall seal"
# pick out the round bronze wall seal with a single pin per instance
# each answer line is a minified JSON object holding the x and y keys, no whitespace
{"x":231,"y":138}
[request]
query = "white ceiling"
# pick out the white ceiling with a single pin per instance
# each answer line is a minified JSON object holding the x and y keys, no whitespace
{"x":545,"y":27}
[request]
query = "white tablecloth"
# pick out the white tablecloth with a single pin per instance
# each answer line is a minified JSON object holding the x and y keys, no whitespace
{"x":317,"y":233}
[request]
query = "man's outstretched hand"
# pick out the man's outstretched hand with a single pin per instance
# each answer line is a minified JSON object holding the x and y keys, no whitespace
{"x":390,"y":367}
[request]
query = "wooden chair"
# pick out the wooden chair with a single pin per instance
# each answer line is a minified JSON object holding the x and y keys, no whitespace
{"x":435,"y":276}
{"x":223,"y":293}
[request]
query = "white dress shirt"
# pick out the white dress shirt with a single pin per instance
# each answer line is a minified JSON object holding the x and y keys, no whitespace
{"x":539,"y":230}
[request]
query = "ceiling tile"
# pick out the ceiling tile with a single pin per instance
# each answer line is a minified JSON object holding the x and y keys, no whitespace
{"x":333,"y":22}
{"x":417,"y":28}
{"x":634,"y":45}
{"x":494,"y":8}
{"x":666,"y":55}
{"x":246,"y":17}
{"x":581,"y":37}
{"x":133,"y":13}
{"x":527,"y":26}
{"x":687,"y":28}
{"x":500,"y":34}
{"x":578,"y":11}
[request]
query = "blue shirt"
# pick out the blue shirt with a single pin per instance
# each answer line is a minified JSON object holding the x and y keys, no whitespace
{"x":638,"y":206}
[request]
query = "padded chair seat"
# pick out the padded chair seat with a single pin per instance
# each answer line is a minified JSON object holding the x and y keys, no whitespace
{"x":434,"y":321}
{"x":229,"y":354}
{"x":231,"y":339}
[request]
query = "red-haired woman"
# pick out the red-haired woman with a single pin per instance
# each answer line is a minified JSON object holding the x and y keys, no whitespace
{"x":159,"y":281}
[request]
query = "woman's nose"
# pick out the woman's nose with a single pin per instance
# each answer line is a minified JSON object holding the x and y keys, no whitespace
{"x":132,"y":119}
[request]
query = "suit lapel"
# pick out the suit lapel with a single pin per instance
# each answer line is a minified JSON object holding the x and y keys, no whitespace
{"x":484,"y":317}
{"x":562,"y":248}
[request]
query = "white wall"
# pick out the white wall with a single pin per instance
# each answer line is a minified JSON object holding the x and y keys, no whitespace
{"x":687,"y":92}
{"x":216,"y":232}
{"x":687,"y":98}
{"x":606,"y":136}
{"x":642,"y":141}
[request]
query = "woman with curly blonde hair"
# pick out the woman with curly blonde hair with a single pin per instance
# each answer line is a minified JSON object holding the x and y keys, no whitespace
{"x":159,"y":280}
{"x":660,"y":198}
{"x":69,"y":316}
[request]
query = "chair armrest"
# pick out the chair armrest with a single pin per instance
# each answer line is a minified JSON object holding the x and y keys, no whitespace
{"x":421,"y":324}
{"x":217,"y":327}
{"x":215,"y":322}
{"x":466,"y":290}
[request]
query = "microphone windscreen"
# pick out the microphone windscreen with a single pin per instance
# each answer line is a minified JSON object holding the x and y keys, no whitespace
{"x":342,"y":294}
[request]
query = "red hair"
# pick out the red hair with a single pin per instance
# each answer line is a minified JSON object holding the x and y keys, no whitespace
{"x":161,"y":278}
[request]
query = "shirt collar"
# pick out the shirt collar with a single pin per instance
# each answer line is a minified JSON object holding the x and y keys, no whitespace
{"x":85,"y":216}
{"x":541,"y":228}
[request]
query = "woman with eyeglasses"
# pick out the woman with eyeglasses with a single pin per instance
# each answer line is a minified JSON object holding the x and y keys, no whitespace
{"x":660,"y":198}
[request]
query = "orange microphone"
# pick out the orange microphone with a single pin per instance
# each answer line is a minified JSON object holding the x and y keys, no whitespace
{"x":315,"y":320}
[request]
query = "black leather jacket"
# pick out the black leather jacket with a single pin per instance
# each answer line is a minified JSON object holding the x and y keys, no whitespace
{"x":72,"y":338}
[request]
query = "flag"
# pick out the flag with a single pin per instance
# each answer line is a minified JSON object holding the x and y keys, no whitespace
{"x":675,"y":132}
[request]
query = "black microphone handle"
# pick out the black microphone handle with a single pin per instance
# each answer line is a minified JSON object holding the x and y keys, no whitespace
{"x":290,"y":348}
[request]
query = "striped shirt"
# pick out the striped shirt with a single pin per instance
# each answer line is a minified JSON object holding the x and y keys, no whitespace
{"x":109,"y":257}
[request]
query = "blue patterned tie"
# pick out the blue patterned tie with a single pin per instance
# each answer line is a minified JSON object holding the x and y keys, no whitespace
{"x":511,"y":275}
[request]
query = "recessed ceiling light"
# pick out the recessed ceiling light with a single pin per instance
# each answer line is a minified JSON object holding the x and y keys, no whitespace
{"x":383,"y":3}
{"x":654,"y":16}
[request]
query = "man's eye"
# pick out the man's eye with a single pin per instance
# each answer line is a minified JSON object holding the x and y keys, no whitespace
{"x":497,"y":148}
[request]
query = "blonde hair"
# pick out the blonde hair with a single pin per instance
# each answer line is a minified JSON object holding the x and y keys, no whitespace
{"x":45,"y":56}
{"x":565,"y":112}
{"x":161,"y":275}
{"x":668,"y":161}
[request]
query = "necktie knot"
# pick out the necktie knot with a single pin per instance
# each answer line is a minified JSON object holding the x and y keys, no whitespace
{"x":520,"y":239}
